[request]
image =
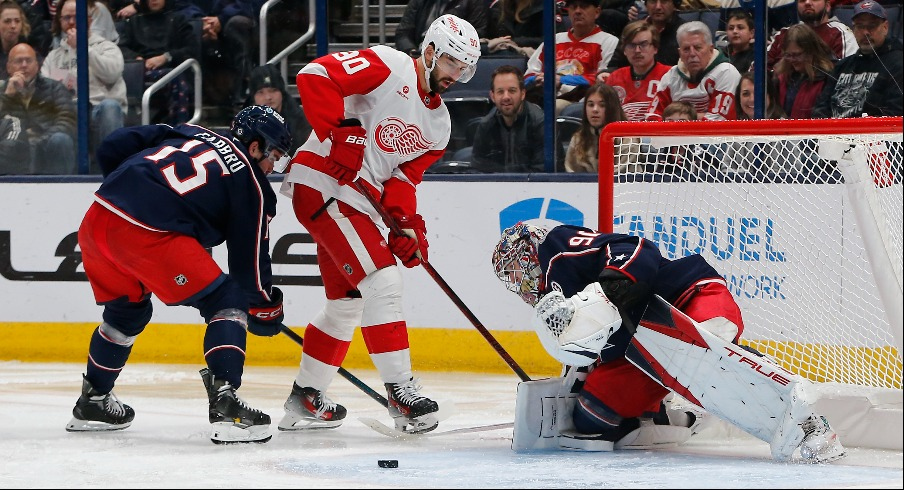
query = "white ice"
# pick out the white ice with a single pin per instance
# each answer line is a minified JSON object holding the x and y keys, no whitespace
{"x":168,"y":444}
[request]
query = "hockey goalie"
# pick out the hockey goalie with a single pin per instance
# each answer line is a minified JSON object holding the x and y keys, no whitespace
{"x":631,"y":328}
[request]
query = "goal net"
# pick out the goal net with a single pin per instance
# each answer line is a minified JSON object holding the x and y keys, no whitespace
{"x":802,"y":217}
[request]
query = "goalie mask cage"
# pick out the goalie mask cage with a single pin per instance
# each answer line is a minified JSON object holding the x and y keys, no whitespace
{"x":802,"y":217}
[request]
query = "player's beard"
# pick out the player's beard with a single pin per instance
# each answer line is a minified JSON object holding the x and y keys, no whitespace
{"x":435,"y":82}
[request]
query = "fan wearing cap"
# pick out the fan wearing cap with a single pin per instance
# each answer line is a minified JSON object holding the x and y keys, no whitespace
{"x":868,"y":82}
{"x":268,"y":88}
{"x":379,"y":121}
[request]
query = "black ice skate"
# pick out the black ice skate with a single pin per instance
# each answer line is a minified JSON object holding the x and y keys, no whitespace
{"x":95,"y":411}
{"x":232,"y":419}
{"x":309,"y":408}
{"x":412,"y":412}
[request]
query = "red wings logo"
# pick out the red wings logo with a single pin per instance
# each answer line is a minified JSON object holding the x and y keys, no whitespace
{"x":394,"y":136}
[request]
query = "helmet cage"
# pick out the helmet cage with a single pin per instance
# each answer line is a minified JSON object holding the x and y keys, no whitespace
{"x":516,"y":261}
{"x":457,"y":38}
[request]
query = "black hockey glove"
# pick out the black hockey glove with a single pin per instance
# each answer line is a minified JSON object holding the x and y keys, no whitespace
{"x":266,"y":319}
{"x":621,"y":290}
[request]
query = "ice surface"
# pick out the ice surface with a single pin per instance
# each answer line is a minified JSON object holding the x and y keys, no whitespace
{"x":168,"y":445}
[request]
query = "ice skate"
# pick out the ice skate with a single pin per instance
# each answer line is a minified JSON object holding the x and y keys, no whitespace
{"x":232,"y":420}
{"x":412,"y":412}
{"x":820,"y":444}
{"x":309,"y":408}
{"x":95,"y":411}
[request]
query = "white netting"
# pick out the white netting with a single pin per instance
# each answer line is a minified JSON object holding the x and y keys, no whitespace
{"x":775,"y":219}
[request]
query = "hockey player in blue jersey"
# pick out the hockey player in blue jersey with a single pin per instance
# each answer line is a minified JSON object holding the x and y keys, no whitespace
{"x":168,"y":194}
{"x":584,"y":285}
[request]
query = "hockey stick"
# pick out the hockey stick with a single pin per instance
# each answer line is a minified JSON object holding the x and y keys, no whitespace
{"x":345,"y":374}
{"x":390,"y":222}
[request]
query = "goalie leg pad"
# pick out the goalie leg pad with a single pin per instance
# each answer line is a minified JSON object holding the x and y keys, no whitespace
{"x":649,"y":435}
{"x":748,"y":391}
{"x":542,"y":411}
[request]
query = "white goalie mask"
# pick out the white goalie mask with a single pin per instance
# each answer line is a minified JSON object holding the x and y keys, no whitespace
{"x":516,"y":263}
{"x":457,"y":38}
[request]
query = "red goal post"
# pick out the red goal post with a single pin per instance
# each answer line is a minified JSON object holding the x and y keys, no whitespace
{"x":802,"y":217}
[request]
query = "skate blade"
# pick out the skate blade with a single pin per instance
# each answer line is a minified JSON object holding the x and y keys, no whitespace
{"x":78,"y":425}
{"x":293,"y":422}
{"x":418,"y":425}
{"x":229,"y":433}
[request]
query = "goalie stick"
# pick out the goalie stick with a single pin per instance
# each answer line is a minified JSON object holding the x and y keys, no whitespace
{"x":390,"y":222}
{"x":388,"y":431}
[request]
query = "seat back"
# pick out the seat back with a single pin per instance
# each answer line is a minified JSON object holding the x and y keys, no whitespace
{"x":133,"y":76}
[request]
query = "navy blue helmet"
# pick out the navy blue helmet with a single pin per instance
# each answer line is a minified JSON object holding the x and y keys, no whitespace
{"x":260,"y":122}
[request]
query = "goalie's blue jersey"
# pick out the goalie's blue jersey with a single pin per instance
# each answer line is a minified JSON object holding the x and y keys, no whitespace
{"x":572,"y":257}
{"x":190,"y":180}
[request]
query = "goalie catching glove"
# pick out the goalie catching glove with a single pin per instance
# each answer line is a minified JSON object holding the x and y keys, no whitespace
{"x":575,"y":330}
{"x":347,"y":151}
{"x":410,"y":247}
{"x":266,"y":319}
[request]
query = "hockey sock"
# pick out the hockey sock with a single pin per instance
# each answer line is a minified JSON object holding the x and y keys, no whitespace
{"x":107,"y":354}
{"x":224,"y":350}
{"x":388,"y":348}
{"x":322,"y":356}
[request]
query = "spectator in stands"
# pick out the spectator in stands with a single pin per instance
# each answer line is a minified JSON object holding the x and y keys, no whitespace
{"x":14,"y":29}
{"x":637,"y":82}
{"x":739,"y":31}
{"x":663,"y":15}
{"x":779,"y":14}
{"x":581,"y":53}
{"x":802,"y":72}
{"x":510,"y":137}
{"x":870,"y":81}
{"x":106,"y":88}
{"x":43,"y":110}
{"x":601,"y":107}
{"x":744,"y":99}
{"x":268,"y":88}
{"x":39,"y":14}
{"x":419,"y":14}
{"x":227,"y":41}
{"x":515,"y":28}
{"x":163,"y":39}
{"x":816,"y":14}
{"x":703,"y":77}
{"x":101,"y":22}
{"x":750,"y":156}
{"x":679,"y":111}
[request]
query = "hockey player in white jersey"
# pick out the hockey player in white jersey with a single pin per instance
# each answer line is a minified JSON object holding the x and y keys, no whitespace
{"x":378,"y":120}
{"x":589,"y":291}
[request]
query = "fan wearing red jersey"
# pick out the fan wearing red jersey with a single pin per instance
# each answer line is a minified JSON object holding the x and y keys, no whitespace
{"x":378,"y":120}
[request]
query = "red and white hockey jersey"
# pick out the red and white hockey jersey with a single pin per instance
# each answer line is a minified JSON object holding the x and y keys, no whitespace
{"x":586,"y":57}
{"x":635,"y":95}
{"x":407,"y":128}
{"x":713,"y":96}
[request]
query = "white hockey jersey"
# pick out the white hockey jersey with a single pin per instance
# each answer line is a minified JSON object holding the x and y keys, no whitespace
{"x":713,"y":95}
{"x":407,"y":129}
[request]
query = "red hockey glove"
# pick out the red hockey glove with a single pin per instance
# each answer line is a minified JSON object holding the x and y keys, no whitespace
{"x":347,"y":152}
{"x":266,"y":319}
{"x":411,"y":247}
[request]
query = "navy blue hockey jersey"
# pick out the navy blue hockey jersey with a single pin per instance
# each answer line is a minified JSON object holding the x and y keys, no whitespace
{"x":190,"y":180}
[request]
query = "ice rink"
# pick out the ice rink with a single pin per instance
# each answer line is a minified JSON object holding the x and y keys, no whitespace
{"x":168,"y":445}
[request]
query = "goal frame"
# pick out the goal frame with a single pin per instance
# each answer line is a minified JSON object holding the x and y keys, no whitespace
{"x":864,"y":415}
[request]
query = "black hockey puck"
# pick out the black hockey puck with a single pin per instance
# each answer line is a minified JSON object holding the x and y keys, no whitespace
{"x":388,"y":463}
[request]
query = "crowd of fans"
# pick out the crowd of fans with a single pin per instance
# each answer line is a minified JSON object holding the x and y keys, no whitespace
{"x":615,"y":60}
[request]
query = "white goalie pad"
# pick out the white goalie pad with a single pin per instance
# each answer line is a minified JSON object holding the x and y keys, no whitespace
{"x":574,"y":330}
{"x":543,"y":421}
{"x":749,"y":391}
